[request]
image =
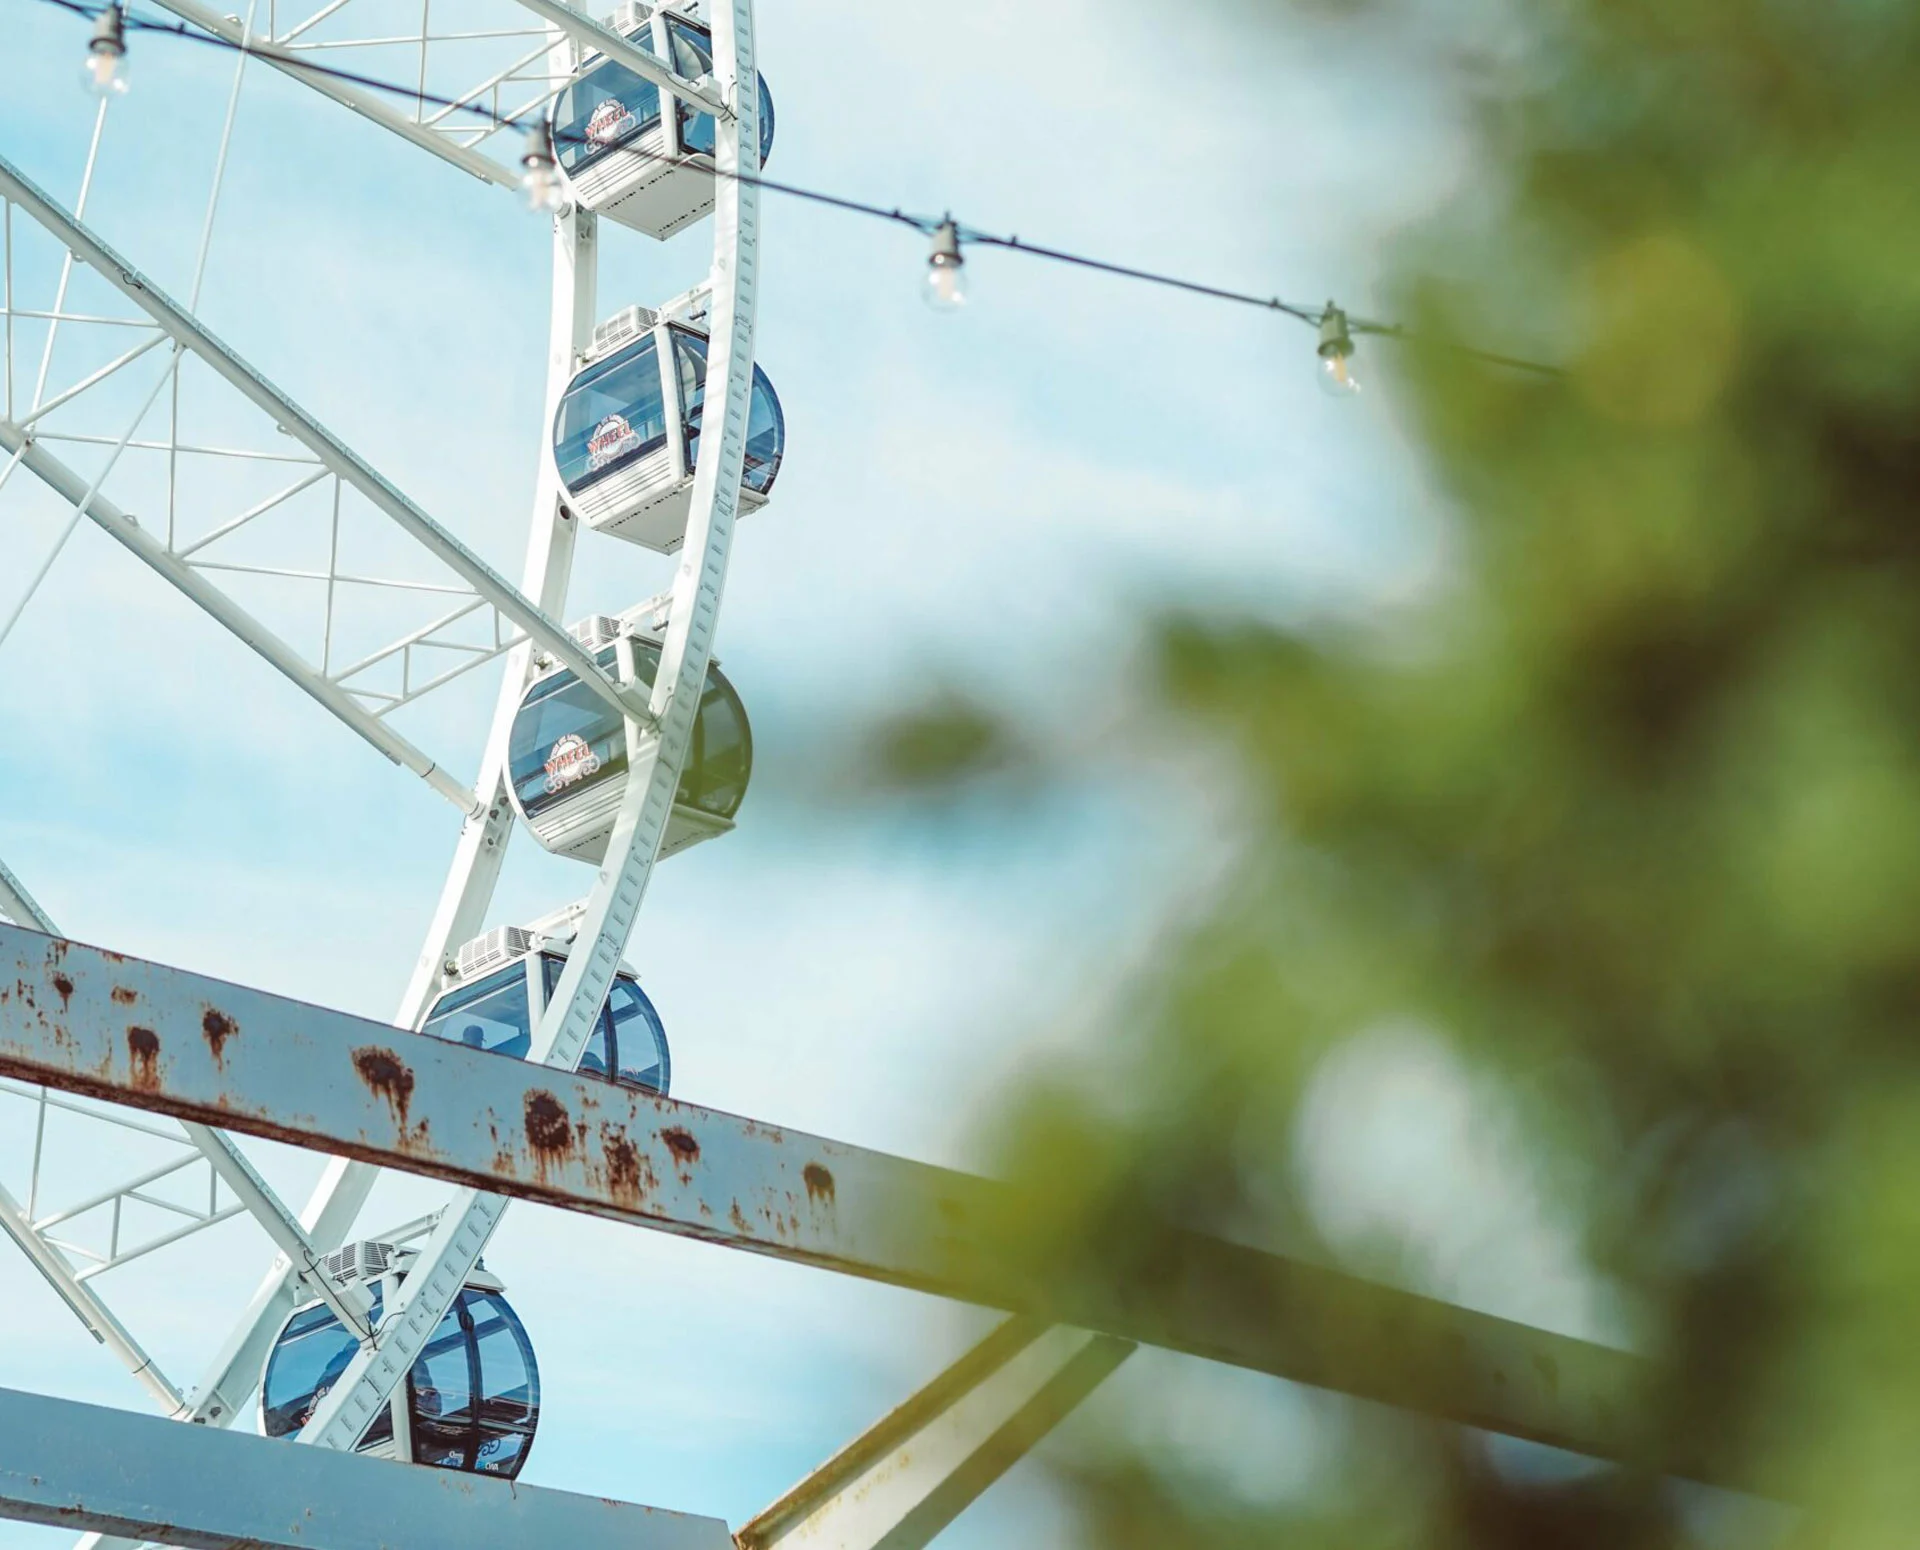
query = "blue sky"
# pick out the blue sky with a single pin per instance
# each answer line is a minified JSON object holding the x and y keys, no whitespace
{"x":990,"y":498}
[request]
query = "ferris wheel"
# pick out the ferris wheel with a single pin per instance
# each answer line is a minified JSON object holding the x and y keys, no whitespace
{"x":616,"y":741}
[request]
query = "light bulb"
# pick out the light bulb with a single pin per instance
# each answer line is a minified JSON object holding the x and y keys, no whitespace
{"x":105,"y":72}
{"x":1336,"y":376}
{"x":946,"y":283}
{"x":540,"y":174}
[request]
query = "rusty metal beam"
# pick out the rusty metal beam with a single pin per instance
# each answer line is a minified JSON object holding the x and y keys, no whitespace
{"x":76,"y":1466}
{"x":183,"y":1044}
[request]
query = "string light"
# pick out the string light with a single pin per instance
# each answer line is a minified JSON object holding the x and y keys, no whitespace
{"x":946,"y":286}
{"x":105,"y":72}
{"x":540,"y":175}
{"x":945,"y":280}
{"x":1336,"y":355}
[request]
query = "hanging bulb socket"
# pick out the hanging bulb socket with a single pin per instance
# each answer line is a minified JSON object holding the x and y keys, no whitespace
{"x":105,"y":74}
{"x":946,"y":283}
{"x":539,"y":172}
{"x":1336,"y":354}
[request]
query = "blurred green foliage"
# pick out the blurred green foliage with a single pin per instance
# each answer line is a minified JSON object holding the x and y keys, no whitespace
{"x":1634,"y":830}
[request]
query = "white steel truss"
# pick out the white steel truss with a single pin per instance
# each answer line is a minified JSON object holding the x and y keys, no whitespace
{"x":451,"y":115}
{"x":345,"y":689}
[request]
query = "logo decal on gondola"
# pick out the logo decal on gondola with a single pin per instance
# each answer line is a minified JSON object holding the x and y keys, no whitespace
{"x":611,"y":121}
{"x":610,"y":438}
{"x":571,"y":760}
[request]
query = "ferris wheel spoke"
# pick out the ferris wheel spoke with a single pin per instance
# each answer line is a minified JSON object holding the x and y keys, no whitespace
{"x":190,"y":1202}
{"x":451,"y":121}
{"x":225,"y":611}
{"x":351,"y":469}
{"x":367,"y":103}
{"x":299,"y":52}
{"x":18,"y":905}
{"x":86,"y":1304}
{"x":424,"y":656}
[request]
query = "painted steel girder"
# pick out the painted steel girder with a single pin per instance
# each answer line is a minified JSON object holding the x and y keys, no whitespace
{"x":185,"y":1044}
{"x":69,"y":1465}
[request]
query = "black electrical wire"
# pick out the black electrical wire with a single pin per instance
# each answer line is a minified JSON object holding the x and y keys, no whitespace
{"x":921,"y":223}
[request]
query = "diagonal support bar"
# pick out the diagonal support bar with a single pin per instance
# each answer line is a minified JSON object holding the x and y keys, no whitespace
{"x":86,"y":1305}
{"x":903,"y":1481}
{"x":350,"y":1305}
{"x":365,"y":103}
{"x":18,"y":905}
{"x":120,"y":525}
{"x":323,"y":1079}
{"x":70,"y":1465}
{"x":547,"y":634}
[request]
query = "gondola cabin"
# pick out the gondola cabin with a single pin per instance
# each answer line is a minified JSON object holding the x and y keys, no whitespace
{"x":627,"y":433}
{"x":567,"y":752}
{"x":502,"y":983}
{"x":471,"y":1401}
{"x":631,"y":152}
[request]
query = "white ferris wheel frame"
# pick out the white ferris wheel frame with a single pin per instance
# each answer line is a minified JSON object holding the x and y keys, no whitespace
{"x":658,"y":724}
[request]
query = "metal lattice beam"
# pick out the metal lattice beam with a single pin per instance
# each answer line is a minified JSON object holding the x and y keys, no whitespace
{"x":226,"y":1163}
{"x":339,"y":459}
{"x":226,"y":612}
{"x":365,"y":103}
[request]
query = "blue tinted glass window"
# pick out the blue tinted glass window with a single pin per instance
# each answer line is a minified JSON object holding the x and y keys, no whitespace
{"x":509,"y":1390}
{"x":306,"y":1362}
{"x":490,"y":1014}
{"x":766,"y":424}
{"x":693,"y":58}
{"x":607,"y":108}
{"x":639,"y":1038}
{"x":613,"y":414}
{"x":766,"y":436}
{"x":690,"y":374}
{"x":440,"y":1392}
{"x":720,"y":755}
{"x":565,"y":739}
